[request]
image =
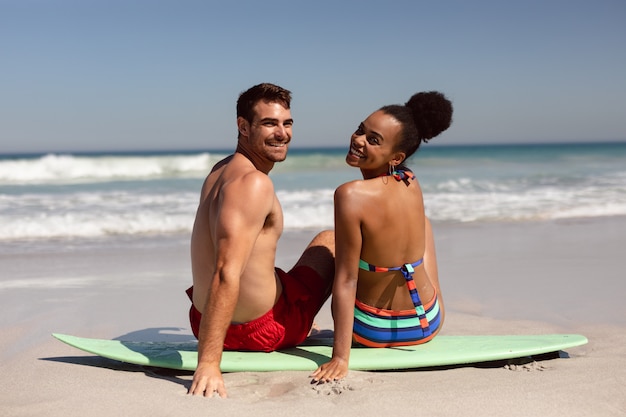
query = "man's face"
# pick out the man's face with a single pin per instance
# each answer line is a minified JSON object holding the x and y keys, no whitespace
{"x":269,"y":133}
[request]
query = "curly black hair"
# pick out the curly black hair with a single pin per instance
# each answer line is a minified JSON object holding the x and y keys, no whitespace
{"x":423,"y":117}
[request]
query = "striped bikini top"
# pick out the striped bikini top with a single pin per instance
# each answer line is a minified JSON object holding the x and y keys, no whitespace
{"x":407,"y":271}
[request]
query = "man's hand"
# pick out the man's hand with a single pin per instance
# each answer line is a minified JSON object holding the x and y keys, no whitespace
{"x":331,"y":371}
{"x":208,"y":380}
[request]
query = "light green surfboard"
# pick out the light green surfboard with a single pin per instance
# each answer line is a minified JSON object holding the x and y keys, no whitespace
{"x":442,"y":350}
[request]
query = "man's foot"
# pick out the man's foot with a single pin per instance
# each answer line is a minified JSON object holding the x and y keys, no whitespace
{"x":314,"y":330}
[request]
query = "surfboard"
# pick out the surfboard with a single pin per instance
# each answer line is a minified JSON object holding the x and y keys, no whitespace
{"x":441,"y":351}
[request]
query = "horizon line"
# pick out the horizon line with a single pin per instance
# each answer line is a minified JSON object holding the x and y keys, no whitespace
{"x":294,"y":148}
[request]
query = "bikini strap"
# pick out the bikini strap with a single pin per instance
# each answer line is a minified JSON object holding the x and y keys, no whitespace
{"x":400,"y":175}
{"x":406,"y":267}
{"x":403,"y":175}
{"x":407,"y":271}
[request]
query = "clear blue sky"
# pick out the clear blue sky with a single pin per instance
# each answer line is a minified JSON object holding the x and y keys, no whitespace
{"x":91,"y":75}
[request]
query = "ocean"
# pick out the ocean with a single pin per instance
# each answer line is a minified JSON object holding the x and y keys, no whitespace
{"x":71,"y":199}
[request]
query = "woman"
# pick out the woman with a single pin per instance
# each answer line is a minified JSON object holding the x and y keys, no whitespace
{"x":386,"y":290}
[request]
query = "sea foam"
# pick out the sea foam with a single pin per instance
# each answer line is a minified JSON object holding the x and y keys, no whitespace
{"x":51,"y":197}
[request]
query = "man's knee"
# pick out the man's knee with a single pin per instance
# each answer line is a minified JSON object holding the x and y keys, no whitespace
{"x":322,"y":248}
{"x":326,"y":239}
{"x":320,"y":255}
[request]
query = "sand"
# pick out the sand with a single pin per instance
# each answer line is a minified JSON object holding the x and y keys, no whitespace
{"x":509,"y":278}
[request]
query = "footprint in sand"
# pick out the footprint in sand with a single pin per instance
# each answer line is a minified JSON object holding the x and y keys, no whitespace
{"x":278,"y":390}
{"x":332,"y":388}
{"x":524,"y":366}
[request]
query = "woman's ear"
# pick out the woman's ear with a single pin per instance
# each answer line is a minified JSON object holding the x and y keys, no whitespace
{"x":397,"y":158}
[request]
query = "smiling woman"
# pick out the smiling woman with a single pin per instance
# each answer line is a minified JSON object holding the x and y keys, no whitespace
{"x":393,"y":297}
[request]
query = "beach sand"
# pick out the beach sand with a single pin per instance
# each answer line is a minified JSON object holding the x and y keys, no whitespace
{"x":511,"y":278}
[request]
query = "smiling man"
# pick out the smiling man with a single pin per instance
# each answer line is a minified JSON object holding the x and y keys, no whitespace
{"x":240,"y":300}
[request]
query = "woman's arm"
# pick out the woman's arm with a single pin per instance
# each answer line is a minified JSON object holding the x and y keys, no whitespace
{"x":348,"y":251}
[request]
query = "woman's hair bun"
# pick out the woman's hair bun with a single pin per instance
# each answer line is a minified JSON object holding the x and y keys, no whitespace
{"x":432,"y":113}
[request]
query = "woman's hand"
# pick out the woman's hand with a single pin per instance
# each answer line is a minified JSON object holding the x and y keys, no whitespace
{"x":331,"y":371}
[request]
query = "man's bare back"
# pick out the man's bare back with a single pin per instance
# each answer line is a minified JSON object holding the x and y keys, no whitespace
{"x":259,"y":289}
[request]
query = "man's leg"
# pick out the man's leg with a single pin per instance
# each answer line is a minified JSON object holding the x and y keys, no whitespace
{"x":320,"y":256}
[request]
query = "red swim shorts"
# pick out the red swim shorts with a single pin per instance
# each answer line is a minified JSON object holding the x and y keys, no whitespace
{"x":287,"y":324}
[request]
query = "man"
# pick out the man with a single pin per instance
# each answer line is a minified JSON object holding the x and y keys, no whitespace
{"x":240,"y":301}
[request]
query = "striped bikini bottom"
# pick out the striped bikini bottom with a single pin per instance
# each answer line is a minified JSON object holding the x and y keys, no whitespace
{"x":377,"y":327}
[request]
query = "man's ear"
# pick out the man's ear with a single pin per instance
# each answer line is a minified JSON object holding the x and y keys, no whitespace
{"x":243,"y":126}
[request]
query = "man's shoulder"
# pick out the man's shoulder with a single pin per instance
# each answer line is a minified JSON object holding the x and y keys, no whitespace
{"x":240,"y":175}
{"x":246,"y":191}
{"x":255,"y":181}
{"x":222,"y":163}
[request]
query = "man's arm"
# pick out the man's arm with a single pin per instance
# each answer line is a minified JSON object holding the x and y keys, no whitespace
{"x":243,"y":208}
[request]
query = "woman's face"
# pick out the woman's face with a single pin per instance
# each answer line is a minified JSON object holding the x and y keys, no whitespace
{"x":373,"y":144}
